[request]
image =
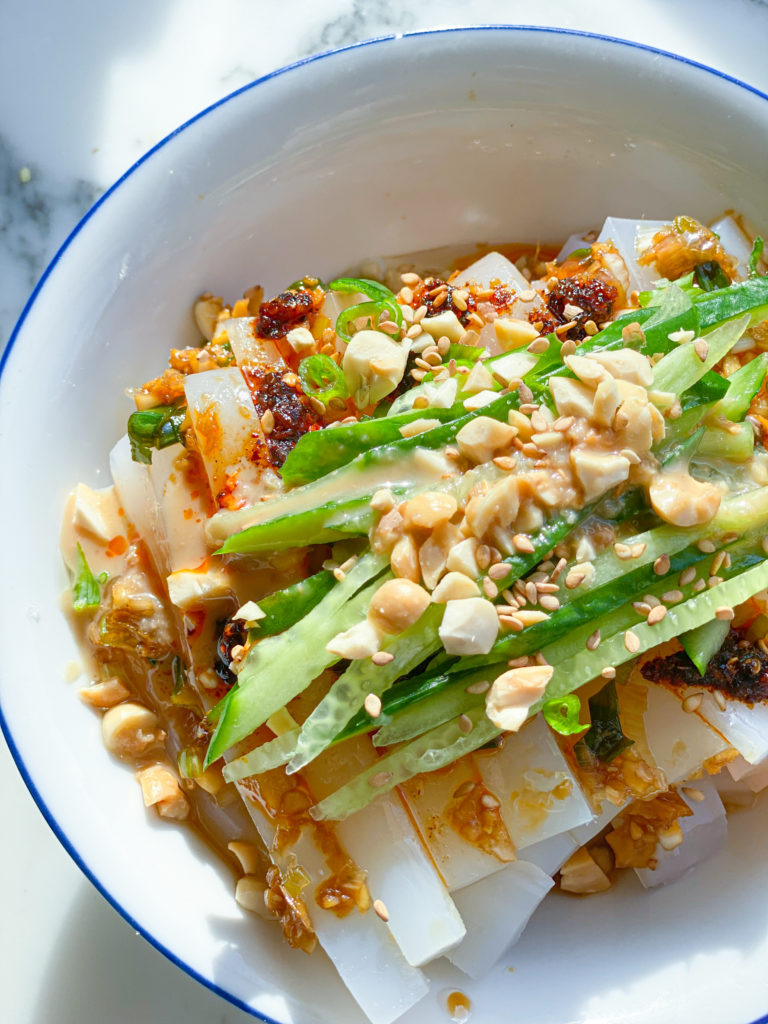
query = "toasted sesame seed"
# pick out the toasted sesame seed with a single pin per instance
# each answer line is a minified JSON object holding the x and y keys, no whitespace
{"x":483,"y":557}
{"x":724,"y":613}
{"x":511,"y":622}
{"x":418,"y":375}
{"x":459,"y":302}
{"x":692,"y":702}
{"x":372,"y":705}
{"x":567,"y":348}
{"x":564,"y":423}
{"x":717,"y":561}
{"x":719,"y":699}
{"x":656,"y":614}
{"x":523,"y":544}
{"x":706,"y":546}
{"x":499,"y":570}
{"x":549,"y":602}
{"x":465,"y":723}
{"x":268,"y":421}
{"x":672,"y":596}
{"x":452,"y":453}
{"x":698,"y":586}
{"x":687,"y":576}
{"x":573,"y":579}
{"x":382,"y":657}
{"x":641,"y":607}
{"x":423,"y":364}
{"x":631,"y":642}
{"x":701,"y":348}
{"x":410,"y":278}
{"x":546,"y":587}
{"x":538,"y":345}
{"x":380,"y":910}
{"x":531,"y":592}
{"x":609,"y":672}
{"x":452,"y":367}
{"x":661,"y":565}
{"x":388,"y":327}
{"x":489,"y":588}
{"x":339,"y":575}
{"x":380,"y":779}
{"x":432,"y":358}
{"x":538,"y":422}
{"x":317,"y":405}
{"x":420,"y":313}
{"x":559,"y":568}
{"x":464,"y":789}
{"x":714,"y":581}
{"x":593,"y":641}
{"x":564,"y":328}
{"x":443,"y":345}
{"x":623,"y":551}
{"x":590,"y":327}
{"x":414,"y":331}
{"x":651,"y":600}
{"x":693,"y":794}
{"x":525,"y":393}
{"x":527,"y":295}
{"x":482,"y":687}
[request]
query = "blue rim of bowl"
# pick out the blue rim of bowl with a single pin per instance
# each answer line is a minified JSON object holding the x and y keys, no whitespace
{"x":4,"y":727}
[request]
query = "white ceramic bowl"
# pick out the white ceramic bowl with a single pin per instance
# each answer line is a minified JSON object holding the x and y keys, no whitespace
{"x":451,"y":137}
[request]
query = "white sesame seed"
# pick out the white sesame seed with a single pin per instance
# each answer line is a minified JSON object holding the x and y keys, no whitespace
{"x":701,"y":348}
{"x":631,"y":642}
{"x":609,"y":672}
{"x":573,"y":579}
{"x":489,"y":588}
{"x":523,"y":544}
{"x":706,"y":546}
{"x":380,"y":779}
{"x":717,"y":561}
{"x":672,"y":596}
{"x":549,"y":602}
{"x":489,"y":800}
{"x":482,"y":687}
{"x":382,"y":658}
{"x":380,"y":910}
{"x":559,"y":568}
{"x":372,"y":705}
{"x":719,"y":699}
{"x":641,"y":607}
{"x":593,"y":641}
{"x":698,"y":586}
{"x":656,"y":614}
{"x":724,"y":613}
{"x":465,"y":723}
{"x":410,"y":279}
{"x":692,"y":702}
{"x":687,"y":576}
{"x":714,"y":581}
{"x":268,"y":421}
{"x":693,"y":794}
{"x":661,"y":565}
{"x":499,"y":571}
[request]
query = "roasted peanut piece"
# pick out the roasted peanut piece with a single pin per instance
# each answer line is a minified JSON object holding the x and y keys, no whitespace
{"x":683,"y":501}
{"x":512,"y":694}
{"x":427,"y":511}
{"x":161,"y":790}
{"x":470,"y":626}
{"x":130,"y":730}
{"x":396,"y":605}
{"x":106,"y":693}
{"x":454,"y":587}
{"x":483,"y":437}
{"x":359,"y":641}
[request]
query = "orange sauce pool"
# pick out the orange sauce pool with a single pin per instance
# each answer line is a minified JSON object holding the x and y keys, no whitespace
{"x":459,"y":1006}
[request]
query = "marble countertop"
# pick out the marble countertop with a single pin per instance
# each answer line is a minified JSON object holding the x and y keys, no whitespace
{"x":85,"y":88}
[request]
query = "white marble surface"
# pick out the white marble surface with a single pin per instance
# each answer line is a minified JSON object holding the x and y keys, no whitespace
{"x":85,"y":88}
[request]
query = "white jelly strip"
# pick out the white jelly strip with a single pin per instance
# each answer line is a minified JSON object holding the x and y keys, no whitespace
{"x":704,"y":834}
{"x":495,"y":911}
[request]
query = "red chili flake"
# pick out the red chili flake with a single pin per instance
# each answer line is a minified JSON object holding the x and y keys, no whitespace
{"x":280,"y":315}
{"x":293,"y":415}
{"x":739,"y":670}
{"x":592,"y":296}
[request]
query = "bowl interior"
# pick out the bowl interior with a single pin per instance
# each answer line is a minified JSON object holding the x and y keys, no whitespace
{"x":448,"y":138}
